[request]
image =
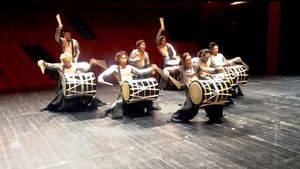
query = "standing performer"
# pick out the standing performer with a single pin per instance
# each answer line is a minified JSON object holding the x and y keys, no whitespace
{"x":189,"y":73}
{"x":123,"y":72}
{"x":166,"y":49}
{"x":67,"y":43}
{"x":66,"y":66}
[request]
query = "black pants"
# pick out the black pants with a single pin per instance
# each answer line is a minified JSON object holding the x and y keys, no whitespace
{"x":79,"y":103}
{"x":135,"y":109}
{"x":187,"y":112}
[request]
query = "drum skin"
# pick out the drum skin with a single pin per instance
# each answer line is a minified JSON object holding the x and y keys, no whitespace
{"x":125,"y":91}
{"x":195,"y":92}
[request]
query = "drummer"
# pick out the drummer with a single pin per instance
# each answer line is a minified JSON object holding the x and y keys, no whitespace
{"x":204,"y":61}
{"x":188,"y":73}
{"x":218,"y":60}
{"x":66,"y":66}
{"x":124,"y":72}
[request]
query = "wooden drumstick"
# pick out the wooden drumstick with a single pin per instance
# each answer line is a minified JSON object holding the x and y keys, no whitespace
{"x":58,"y":20}
{"x":245,"y":65}
{"x":41,"y":65}
{"x":161,"y":73}
{"x":176,"y":82}
{"x":162,"y":23}
{"x":101,"y":63}
{"x":107,"y":83}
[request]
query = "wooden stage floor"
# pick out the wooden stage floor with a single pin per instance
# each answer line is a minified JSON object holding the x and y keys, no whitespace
{"x":261,"y":130}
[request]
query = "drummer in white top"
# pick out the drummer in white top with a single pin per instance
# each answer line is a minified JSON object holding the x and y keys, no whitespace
{"x":188,"y":73}
{"x":218,"y":60}
{"x":66,"y":66}
{"x":124,"y":72}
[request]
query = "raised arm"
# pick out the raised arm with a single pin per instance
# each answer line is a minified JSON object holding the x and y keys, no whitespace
{"x":158,"y":35}
{"x":77,"y":50}
{"x":57,"y":34}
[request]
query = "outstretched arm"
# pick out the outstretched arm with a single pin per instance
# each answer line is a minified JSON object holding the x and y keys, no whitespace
{"x":169,"y":70}
{"x":107,"y":73}
{"x":137,"y":71}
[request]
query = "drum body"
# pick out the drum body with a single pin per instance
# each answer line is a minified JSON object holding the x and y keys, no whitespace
{"x":78,"y":84}
{"x":238,"y":73}
{"x":141,"y":89}
{"x":223,"y":77}
{"x":209,"y":92}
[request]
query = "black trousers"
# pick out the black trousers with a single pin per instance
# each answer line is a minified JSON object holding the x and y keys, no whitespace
{"x":135,"y":109}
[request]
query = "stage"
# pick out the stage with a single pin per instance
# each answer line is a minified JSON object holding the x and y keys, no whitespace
{"x":260,"y":130}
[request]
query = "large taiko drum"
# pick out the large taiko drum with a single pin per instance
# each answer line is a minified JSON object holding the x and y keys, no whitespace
{"x":238,"y":73}
{"x":209,"y":92}
{"x":78,"y":84}
{"x":139,"y":89}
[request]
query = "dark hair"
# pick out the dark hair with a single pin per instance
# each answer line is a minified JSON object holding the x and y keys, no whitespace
{"x":119,"y":55}
{"x":66,"y":30}
{"x":139,"y":42}
{"x":160,"y":39}
{"x":202,"y":52}
{"x":183,"y":56}
{"x":212,"y":44}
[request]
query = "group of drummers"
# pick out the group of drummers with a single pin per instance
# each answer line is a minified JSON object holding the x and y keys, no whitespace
{"x":209,"y":79}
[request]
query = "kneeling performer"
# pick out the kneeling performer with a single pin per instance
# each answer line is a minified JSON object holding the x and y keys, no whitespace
{"x":210,"y":94}
{"x":70,"y":94}
{"x":123,"y":73}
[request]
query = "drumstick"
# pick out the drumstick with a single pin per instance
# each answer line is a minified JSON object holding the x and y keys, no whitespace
{"x":58,"y":19}
{"x":161,"y":73}
{"x":176,"y":82}
{"x":162,"y":23}
{"x":41,"y":65}
{"x":245,"y":65}
{"x":107,"y":83}
{"x":101,"y":63}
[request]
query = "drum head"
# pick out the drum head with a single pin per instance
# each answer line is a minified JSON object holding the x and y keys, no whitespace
{"x":195,"y":93}
{"x":63,"y":83}
{"x":125,"y":91}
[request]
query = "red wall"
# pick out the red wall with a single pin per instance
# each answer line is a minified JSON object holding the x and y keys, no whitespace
{"x":114,"y":31}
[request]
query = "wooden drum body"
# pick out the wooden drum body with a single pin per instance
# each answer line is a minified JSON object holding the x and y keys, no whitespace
{"x":141,"y":89}
{"x":209,"y":92}
{"x":78,"y":84}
